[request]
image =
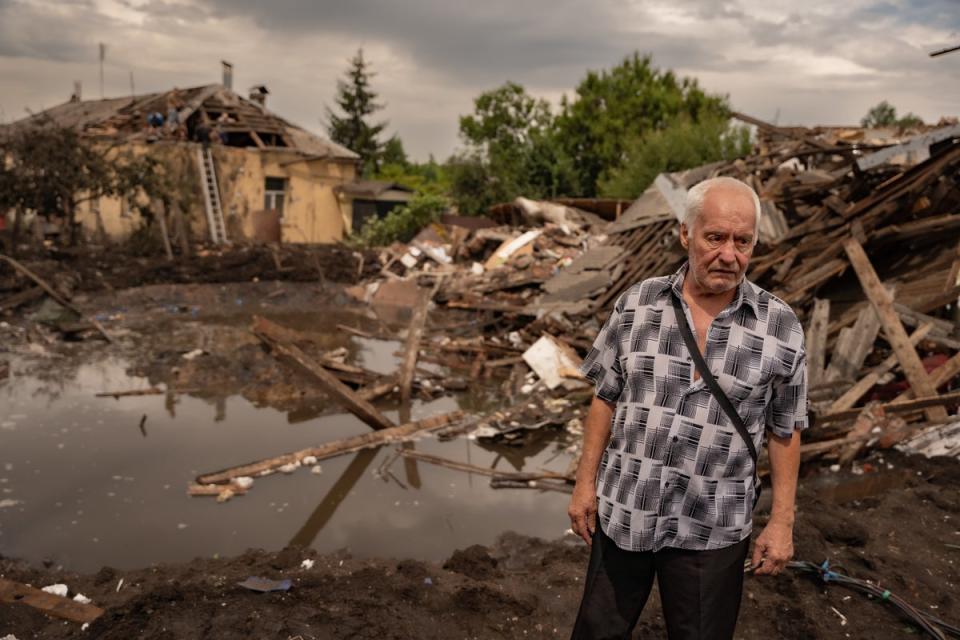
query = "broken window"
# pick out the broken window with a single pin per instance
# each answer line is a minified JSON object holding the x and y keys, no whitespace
{"x":273,"y":192}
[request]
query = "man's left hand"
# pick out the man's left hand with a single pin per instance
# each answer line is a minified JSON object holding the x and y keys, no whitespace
{"x":773,"y":548}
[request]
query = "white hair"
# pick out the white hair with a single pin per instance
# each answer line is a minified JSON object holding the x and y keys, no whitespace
{"x":698,"y":193}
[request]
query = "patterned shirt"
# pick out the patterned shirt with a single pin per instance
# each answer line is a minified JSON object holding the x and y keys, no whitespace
{"x":676,"y":473}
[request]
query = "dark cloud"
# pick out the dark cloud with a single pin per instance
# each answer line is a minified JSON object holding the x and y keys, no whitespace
{"x":36,"y":31}
{"x":543,"y":44}
{"x":448,"y":52}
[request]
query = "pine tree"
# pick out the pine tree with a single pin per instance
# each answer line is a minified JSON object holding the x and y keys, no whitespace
{"x":357,"y":102}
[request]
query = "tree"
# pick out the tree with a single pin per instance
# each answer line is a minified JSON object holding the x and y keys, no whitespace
{"x":50,"y":170}
{"x":683,"y":144}
{"x":884,"y":114}
{"x":511,"y":150}
{"x":393,"y":153}
{"x":614,"y":107}
{"x":357,"y":102}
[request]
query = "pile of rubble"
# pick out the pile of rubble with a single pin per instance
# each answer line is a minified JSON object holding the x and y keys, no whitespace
{"x":859,"y":235}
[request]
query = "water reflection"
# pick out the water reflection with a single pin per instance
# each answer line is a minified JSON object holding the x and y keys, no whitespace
{"x":81,"y":477}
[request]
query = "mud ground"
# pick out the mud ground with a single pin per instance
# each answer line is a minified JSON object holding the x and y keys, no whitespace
{"x":896,"y":525}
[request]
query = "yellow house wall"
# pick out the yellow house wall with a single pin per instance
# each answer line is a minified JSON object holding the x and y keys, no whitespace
{"x":313,"y":212}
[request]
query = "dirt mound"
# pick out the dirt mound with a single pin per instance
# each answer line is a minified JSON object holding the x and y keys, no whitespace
{"x":900,"y":538}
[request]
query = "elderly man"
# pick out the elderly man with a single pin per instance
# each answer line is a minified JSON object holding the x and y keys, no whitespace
{"x":665,"y":468}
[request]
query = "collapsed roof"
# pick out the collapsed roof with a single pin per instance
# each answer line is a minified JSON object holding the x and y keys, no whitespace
{"x":243,"y":122}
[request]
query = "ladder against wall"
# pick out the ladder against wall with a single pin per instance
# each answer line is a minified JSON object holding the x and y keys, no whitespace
{"x":211,"y":195}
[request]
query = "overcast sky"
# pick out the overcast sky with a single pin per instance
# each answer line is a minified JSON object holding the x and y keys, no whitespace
{"x":817,"y":61}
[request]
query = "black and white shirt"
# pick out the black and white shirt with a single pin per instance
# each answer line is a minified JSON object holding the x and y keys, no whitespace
{"x":676,"y":473}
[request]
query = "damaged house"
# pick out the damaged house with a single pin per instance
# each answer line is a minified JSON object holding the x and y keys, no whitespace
{"x":247,"y":174}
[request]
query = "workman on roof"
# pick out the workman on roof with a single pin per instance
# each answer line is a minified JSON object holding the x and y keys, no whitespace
{"x":667,"y":480}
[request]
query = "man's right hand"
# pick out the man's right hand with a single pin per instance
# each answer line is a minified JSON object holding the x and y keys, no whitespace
{"x":583,"y":511}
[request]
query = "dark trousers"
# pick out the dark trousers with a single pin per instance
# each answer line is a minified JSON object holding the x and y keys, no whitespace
{"x":699,"y":590}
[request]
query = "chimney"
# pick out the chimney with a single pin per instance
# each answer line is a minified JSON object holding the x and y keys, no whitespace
{"x":227,"y":74}
{"x":258,"y":93}
{"x":77,"y":89}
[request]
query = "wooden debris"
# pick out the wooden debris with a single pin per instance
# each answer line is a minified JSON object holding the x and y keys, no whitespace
{"x":272,"y":335}
{"x":150,"y":391}
{"x":402,"y":433}
{"x":816,"y":341}
{"x":56,"y":296}
{"x":12,"y":593}
{"x":501,"y":476}
{"x":853,"y":346}
{"x":907,"y":406}
{"x":892,"y":328}
{"x":864,"y":384}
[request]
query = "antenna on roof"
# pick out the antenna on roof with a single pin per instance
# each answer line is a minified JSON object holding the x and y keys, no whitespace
{"x":227,"y":74}
{"x":103,"y":54}
{"x":934,"y":54}
{"x":132,"y":91}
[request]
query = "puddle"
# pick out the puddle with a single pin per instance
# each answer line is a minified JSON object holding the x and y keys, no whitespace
{"x":87,"y":482}
{"x":846,"y":490}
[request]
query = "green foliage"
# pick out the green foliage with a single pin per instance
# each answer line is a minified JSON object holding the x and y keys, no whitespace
{"x":402,"y":223}
{"x":511,"y":150}
{"x":684,"y":144}
{"x":357,"y":102}
{"x":423,"y":177}
{"x":614,"y":107}
{"x":515,"y":145}
{"x":49,"y":170}
{"x":884,"y":114}
{"x":473,"y":185}
{"x":393,"y":152}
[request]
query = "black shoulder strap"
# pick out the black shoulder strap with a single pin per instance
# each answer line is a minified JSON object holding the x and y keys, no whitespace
{"x":710,"y":381}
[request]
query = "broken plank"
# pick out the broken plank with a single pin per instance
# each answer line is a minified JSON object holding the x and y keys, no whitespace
{"x":56,"y":296}
{"x":853,"y":346}
{"x":864,"y":384}
{"x":892,"y":327}
{"x":938,"y":377}
{"x":817,"y":340}
{"x":414,"y":334}
{"x":871,"y":415}
{"x":520,"y":476}
{"x":896,"y":407}
{"x":402,"y":433}
{"x":268,"y":332}
{"x":53,"y":605}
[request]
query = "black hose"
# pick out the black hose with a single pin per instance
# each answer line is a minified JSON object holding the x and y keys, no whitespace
{"x":932,"y":625}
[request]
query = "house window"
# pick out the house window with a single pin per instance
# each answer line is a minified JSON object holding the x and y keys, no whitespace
{"x":273,"y":192}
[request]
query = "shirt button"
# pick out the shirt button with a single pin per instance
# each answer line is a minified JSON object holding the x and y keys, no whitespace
{"x":666,"y":485}
{"x":675,"y":438}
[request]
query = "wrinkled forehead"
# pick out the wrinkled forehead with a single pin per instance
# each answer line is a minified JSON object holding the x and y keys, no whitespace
{"x":729,"y":207}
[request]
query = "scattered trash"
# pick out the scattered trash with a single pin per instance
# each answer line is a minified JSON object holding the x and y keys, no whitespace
{"x":307,"y":564}
{"x":265,"y":585}
{"x":57,"y":590}
{"x":82,"y":599}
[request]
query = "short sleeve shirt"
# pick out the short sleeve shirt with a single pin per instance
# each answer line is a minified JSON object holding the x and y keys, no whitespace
{"x":676,"y":473}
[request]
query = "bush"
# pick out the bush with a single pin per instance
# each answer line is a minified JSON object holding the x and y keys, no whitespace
{"x":403,"y":223}
{"x":684,"y":144}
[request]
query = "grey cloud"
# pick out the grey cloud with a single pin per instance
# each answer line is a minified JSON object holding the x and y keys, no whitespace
{"x":543,"y":44}
{"x":28,"y":31}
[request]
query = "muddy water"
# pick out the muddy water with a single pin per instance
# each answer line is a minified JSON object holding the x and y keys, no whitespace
{"x":87,"y":482}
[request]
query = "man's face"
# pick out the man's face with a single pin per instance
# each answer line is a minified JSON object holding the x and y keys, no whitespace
{"x":720,"y":241}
